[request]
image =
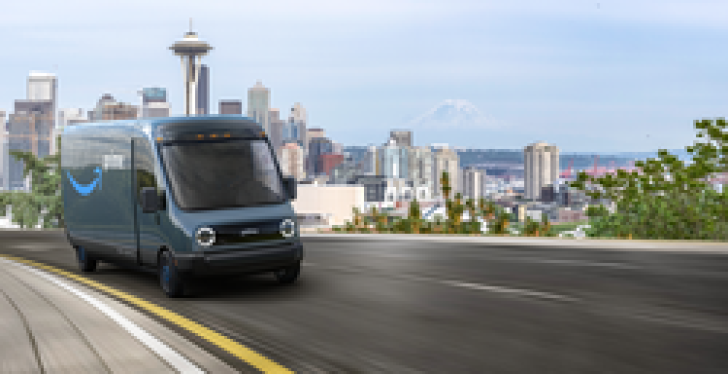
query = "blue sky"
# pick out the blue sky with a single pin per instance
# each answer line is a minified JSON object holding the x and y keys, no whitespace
{"x":604,"y":76}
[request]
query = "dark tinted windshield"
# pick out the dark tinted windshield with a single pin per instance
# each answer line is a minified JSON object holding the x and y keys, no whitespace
{"x":225,"y":174}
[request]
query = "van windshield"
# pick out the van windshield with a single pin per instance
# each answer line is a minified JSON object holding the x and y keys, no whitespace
{"x":222,"y":174}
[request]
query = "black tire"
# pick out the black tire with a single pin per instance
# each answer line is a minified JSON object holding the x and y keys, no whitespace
{"x":169,"y":278}
{"x":86,"y":263}
{"x":288,"y":275}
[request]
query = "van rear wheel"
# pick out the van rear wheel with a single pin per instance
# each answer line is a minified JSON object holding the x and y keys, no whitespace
{"x":288,"y":275}
{"x":169,"y":277}
{"x":86,"y":263}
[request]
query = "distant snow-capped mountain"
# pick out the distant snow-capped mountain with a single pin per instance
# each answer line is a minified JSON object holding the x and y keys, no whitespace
{"x":454,"y":113}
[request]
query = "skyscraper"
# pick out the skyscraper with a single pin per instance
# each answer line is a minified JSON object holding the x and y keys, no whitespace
{"x":446,"y":160}
{"x":259,"y":105}
{"x":318,"y":147}
{"x":401,"y":137}
{"x":541,"y":168}
{"x":203,"y":91}
{"x":42,"y":87}
{"x":29,"y":129}
{"x":231,"y":107}
{"x":291,"y":160}
{"x":297,"y":126}
{"x":277,"y":128}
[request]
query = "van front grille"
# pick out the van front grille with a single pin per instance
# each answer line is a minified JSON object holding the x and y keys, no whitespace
{"x":249,"y":232}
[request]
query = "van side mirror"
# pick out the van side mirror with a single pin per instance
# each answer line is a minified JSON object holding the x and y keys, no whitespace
{"x":150,"y":200}
{"x":290,"y":185}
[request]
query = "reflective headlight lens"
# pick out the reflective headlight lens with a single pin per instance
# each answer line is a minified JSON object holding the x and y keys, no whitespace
{"x":205,"y":236}
{"x":288,"y":228}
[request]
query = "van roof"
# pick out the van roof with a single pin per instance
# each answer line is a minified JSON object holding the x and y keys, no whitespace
{"x":167,"y":123}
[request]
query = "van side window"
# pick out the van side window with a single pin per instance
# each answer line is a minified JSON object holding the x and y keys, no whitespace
{"x":144,"y":166}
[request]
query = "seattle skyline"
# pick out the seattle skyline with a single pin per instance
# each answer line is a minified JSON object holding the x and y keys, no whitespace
{"x":620,"y":77}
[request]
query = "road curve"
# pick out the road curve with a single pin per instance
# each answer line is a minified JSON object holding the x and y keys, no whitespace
{"x":404,"y":306}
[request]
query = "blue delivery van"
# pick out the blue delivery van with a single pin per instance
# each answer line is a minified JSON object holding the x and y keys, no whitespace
{"x":188,"y":196}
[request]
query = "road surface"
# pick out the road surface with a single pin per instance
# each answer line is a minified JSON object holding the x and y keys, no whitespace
{"x":365,"y":306}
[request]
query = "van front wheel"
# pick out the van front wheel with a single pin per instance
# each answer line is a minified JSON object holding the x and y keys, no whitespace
{"x":169,"y":278}
{"x":288,"y":275}
{"x":86,"y":263}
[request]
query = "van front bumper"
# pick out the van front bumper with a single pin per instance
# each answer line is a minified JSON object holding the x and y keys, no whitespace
{"x":243,"y":261}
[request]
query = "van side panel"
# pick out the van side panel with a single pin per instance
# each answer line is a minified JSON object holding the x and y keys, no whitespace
{"x":97,"y":193}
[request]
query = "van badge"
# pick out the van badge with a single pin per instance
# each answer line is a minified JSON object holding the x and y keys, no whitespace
{"x":86,"y":189}
{"x":248,"y":232}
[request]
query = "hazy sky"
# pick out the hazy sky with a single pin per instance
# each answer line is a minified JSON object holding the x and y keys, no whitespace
{"x":584,"y":75}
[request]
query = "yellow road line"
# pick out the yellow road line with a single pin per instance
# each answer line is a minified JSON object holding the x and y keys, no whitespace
{"x":225,"y":343}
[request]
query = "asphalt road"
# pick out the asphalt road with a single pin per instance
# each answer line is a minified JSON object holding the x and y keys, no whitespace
{"x":372,"y":306}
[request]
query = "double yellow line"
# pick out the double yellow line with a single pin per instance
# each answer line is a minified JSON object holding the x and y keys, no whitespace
{"x":239,"y":351}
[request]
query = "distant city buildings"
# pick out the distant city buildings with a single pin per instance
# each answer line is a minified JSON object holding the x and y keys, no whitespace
{"x":108,"y":109}
{"x":291,"y":160}
{"x":401,"y":137}
{"x":231,"y":107}
{"x":259,"y":105}
{"x":541,"y":168}
{"x":446,"y":160}
{"x":154,"y":103}
{"x":277,"y":128}
{"x":3,"y":151}
{"x":203,"y":91}
{"x":473,"y":183}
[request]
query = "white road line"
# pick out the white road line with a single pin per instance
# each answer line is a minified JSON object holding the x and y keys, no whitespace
{"x":582,"y":263}
{"x":468,"y":285}
{"x":177,"y":361}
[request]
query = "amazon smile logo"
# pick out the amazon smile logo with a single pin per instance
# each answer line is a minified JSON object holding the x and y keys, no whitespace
{"x":86,"y":189}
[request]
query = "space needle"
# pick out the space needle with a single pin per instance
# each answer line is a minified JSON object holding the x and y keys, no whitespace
{"x":190,"y":49}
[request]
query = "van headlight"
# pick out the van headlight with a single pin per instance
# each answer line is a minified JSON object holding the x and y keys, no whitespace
{"x":288,"y":228}
{"x":205,"y":236}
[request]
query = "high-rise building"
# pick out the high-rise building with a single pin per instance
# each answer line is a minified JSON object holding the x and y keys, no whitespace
{"x":66,"y":117}
{"x":42,"y":87}
{"x":315,"y":133}
{"x":420,"y":171}
{"x":29,"y":129}
{"x":291,"y":160}
{"x":401,"y":137}
{"x":446,"y":160}
{"x":154,"y":95}
{"x":231,"y":107}
{"x":154,"y":103}
{"x":370,"y":165}
{"x":317,"y":147}
{"x":71,"y":116}
{"x":259,"y":104}
{"x":203,"y":91}
{"x":473,"y":180}
{"x":541,"y":168}
{"x":297,"y":126}
{"x":108,"y":109}
{"x":393,"y":161}
{"x":277,"y":128}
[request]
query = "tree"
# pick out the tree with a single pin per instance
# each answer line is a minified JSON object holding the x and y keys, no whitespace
{"x":666,"y":199}
{"x":445,"y":183}
{"x":415,"y":216}
{"x":44,"y":200}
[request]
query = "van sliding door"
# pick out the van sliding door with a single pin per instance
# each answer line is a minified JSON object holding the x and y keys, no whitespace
{"x":147,"y":224}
